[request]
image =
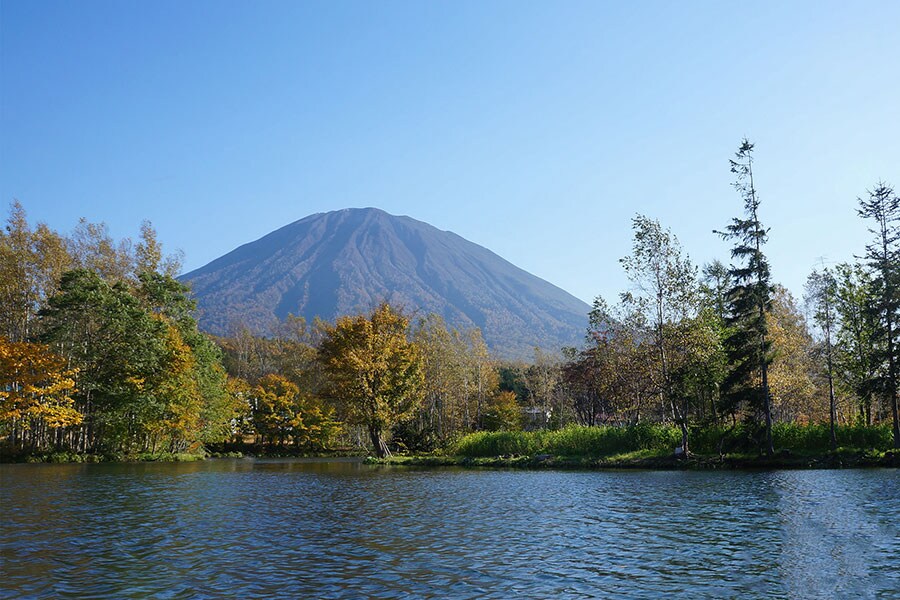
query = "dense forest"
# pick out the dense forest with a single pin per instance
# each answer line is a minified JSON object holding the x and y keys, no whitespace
{"x":100,"y":353}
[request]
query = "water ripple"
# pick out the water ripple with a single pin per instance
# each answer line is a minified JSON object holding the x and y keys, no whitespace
{"x":309,"y":529}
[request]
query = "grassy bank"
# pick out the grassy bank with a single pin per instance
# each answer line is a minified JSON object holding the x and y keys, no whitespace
{"x":74,"y":457}
{"x":211,"y":451}
{"x":652,"y":446}
{"x":840,"y":459}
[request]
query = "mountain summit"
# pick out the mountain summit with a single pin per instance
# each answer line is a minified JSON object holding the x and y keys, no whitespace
{"x":347,"y":261}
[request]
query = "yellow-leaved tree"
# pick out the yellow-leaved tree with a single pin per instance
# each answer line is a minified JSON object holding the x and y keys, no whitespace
{"x":374,"y":371}
{"x":178,"y":392}
{"x":35,"y":394}
{"x":794,"y":393}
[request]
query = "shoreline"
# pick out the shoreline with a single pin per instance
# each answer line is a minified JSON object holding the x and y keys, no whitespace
{"x":643,"y":460}
{"x":854,"y":459}
{"x":64,"y":457}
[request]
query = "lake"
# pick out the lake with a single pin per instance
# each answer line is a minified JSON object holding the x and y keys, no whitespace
{"x":339,"y":529}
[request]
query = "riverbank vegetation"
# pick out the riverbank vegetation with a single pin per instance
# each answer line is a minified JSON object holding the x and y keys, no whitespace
{"x":605,"y":441}
{"x":101,"y":356}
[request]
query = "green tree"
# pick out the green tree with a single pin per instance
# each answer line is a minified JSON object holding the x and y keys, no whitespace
{"x":375,"y":371}
{"x":855,"y":354}
{"x":821,"y":291}
{"x":666,"y":291}
{"x":164,"y":296}
{"x":147,"y":378}
{"x":883,"y":254}
{"x":748,"y":345}
{"x":511,"y":378}
{"x":117,"y":347}
{"x":714,"y":288}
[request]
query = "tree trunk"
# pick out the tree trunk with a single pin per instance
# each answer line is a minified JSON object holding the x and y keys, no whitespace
{"x":378,"y":443}
{"x":681,"y":420}
{"x":767,"y":409}
{"x":892,"y":380}
{"x":832,"y":410}
{"x":831,"y":403}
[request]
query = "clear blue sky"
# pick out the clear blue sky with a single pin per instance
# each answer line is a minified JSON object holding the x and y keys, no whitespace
{"x":535,"y":129}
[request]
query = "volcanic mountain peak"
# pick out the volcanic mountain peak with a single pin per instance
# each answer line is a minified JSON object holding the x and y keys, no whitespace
{"x":346,"y":261}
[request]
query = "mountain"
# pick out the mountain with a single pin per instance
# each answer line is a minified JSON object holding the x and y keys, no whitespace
{"x":347,"y":261}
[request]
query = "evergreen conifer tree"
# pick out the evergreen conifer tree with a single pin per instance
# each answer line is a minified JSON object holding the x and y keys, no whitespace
{"x":748,"y":345}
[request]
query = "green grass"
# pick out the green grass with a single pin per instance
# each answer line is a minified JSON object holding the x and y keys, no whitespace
{"x":167,"y":457}
{"x":661,"y":440}
{"x":571,"y":441}
{"x":789,"y":436}
{"x":75,"y":457}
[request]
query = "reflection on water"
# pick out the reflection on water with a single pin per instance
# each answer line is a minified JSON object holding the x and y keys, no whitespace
{"x":311,"y":529}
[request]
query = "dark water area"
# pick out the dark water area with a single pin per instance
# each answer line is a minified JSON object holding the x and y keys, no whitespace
{"x":341,"y":529}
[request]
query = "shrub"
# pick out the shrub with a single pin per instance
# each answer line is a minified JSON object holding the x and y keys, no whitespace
{"x":498,"y":443}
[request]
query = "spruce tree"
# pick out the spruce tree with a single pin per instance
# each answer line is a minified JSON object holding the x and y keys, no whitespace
{"x":748,"y":345}
{"x":883,"y":255}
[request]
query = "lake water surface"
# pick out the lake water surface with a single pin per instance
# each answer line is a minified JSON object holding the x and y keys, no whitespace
{"x":340,"y":529}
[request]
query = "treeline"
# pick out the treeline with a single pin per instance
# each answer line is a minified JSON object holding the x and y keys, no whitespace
{"x":376,"y":380}
{"x":100,"y":353}
{"x":99,"y":349}
{"x":725,"y":346}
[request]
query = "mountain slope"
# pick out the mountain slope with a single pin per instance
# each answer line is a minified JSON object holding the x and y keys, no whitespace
{"x":345,"y":262}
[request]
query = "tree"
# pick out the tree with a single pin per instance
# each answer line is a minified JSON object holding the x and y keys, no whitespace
{"x":36,"y":391}
{"x":665,"y":290}
{"x":583,"y":377}
{"x":443,"y":354}
{"x":124,"y":329}
{"x":748,"y":345}
{"x":32,"y":262}
{"x":280,"y":410}
{"x":374,"y":370}
{"x":173,"y":390}
{"x":167,"y":298}
{"x":503,"y":413}
{"x":792,"y":388}
{"x":274,"y":408}
{"x":93,"y":248}
{"x":148,"y":252}
{"x":147,"y":378}
{"x":543,"y":380}
{"x":117,"y":347}
{"x":883,"y":255}
{"x":821,"y":291}
{"x":620,"y":364}
{"x":481,"y":378}
{"x":715,"y":286}
{"x":855,"y":354}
